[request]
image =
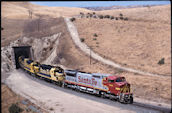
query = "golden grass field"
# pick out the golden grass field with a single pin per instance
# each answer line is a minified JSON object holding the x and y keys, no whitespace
{"x":138,"y":43}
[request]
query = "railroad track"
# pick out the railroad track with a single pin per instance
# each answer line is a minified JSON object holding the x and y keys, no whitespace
{"x":153,"y":107}
{"x":143,"y":105}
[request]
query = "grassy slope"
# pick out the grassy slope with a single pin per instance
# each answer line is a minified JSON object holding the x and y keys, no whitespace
{"x":139,"y":42}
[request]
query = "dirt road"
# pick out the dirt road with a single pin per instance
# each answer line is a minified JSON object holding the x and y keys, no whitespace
{"x":74,"y":34}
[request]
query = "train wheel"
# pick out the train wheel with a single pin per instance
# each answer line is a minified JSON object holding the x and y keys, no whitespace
{"x":131,"y":100}
{"x":102,"y":94}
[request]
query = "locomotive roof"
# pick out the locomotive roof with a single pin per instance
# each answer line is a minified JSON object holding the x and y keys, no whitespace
{"x":29,"y":61}
{"x":44,"y":66}
{"x":101,"y":74}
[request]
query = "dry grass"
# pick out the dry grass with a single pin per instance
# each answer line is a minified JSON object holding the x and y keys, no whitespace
{"x":9,"y":97}
{"x":136,"y":44}
{"x":15,"y":19}
{"x":18,"y":10}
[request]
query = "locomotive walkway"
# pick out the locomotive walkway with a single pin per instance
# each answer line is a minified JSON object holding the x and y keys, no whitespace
{"x":75,"y":37}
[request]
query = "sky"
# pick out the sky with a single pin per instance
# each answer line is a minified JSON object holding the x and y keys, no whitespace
{"x":98,"y":3}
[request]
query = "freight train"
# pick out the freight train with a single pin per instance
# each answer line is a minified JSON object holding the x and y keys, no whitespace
{"x":103,"y":85}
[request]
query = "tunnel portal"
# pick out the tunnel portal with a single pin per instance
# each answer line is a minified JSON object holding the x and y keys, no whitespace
{"x":21,"y":51}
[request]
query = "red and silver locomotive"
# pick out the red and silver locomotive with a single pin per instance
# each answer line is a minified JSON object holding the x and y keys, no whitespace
{"x":104,"y":85}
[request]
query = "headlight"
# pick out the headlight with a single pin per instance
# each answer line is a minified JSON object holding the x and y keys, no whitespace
{"x":117,"y":88}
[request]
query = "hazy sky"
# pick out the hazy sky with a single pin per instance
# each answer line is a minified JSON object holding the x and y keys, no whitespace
{"x":98,"y":3}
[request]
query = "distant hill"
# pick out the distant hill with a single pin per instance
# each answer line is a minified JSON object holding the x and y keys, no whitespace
{"x":116,"y":7}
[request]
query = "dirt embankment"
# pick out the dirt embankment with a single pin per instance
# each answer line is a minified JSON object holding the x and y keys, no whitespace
{"x":9,"y":97}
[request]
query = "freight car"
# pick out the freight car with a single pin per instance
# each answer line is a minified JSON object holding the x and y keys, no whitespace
{"x":104,"y":85}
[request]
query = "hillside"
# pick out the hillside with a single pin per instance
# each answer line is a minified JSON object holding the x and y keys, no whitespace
{"x":139,"y":42}
{"x":15,"y":17}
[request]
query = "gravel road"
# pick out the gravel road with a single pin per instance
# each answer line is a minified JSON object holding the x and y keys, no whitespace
{"x":59,"y":100}
{"x":74,"y":34}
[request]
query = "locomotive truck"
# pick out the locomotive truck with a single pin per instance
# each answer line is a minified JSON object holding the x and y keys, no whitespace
{"x":104,"y":85}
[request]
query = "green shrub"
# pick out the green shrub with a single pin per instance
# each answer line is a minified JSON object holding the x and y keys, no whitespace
{"x":112,"y":17}
{"x":14,"y":108}
{"x":81,"y":13}
{"x":120,"y":14}
{"x":94,"y":38}
{"x":126,"y":18}
{"x":121,"y":18}
{"x":101,"y":16}
{"x":161,"y":61}
{"x":107,"y":16}
{"x":82,"y":39}
{"x":72,"y":19}
{"x":95,"y":35}
{"x":91,"y":15}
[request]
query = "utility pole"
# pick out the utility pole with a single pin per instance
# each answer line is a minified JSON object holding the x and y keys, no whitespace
{"x":90,"y":53}
{"x":90,"y":56}
{"x":30,"y":14}
{"x":39,"y":22}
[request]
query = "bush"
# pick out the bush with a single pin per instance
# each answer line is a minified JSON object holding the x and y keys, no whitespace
{"x":121,"y":18}
{"x":126,"y":18}
{"x":94,"y":13}
{"x":95,"y":35}
{"x":72,"y":19}
{"x":91,"y":15}
{"x":2,"y":28}
{"x":81,"y":13}
{"x":101,"y":16}
{"x":94,"y":38}
{"x":15,"y":109}
{"x":82,"y":39}
{"x":161,"y":61}
{"x":106,"y":16}
{"x":112,"y":17}
{"x":120,"y":14}
{"x":116,"y":18}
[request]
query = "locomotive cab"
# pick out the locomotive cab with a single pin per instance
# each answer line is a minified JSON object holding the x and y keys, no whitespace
{"x":118,"y":86}
{"x":59,"y":73}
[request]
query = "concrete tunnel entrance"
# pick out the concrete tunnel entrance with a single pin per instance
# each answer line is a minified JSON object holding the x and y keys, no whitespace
{"x":21,"y":51}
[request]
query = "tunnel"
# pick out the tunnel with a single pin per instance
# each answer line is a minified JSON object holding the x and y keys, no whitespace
{"x":21,"y":51}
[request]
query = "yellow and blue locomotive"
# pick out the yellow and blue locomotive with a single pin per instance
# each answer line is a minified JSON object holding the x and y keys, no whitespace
{"x":52,"y":73}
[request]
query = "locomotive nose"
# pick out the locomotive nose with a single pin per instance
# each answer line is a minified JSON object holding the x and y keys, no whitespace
{"x":125,"y":88}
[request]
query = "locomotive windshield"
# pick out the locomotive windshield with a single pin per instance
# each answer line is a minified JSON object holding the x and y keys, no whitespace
{"x":59,"y":70}
{"x":120,"y":79}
